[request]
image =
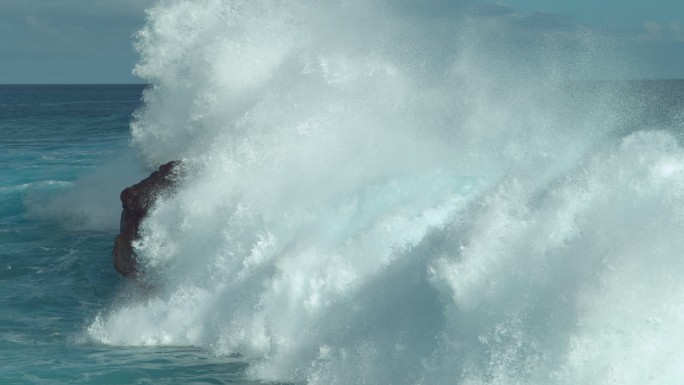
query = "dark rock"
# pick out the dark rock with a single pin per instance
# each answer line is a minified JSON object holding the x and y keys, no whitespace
{"x":137,"y":201}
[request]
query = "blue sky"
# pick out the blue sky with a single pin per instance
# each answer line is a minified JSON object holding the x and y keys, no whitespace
{"x":647,"y":33}
{"x":621,"y":13}
{"x":69,"y":41}
{"x":91,"y":41}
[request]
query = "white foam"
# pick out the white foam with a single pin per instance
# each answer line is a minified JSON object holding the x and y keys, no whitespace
{"x":91,"y":202}
{"x":383,"y":194}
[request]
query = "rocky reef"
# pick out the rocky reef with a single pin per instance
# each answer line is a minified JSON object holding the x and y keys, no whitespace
{"x":136,"y":202}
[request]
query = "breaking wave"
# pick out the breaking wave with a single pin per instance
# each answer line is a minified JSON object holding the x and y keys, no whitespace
{"x":377,"y":192}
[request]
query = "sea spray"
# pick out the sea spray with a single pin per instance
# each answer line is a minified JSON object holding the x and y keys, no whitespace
{"x":377,"y":193}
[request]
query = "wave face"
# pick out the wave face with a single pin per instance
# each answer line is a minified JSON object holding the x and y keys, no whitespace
{"x":382,"y":193}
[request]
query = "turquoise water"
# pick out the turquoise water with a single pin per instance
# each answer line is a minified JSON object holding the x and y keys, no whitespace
{"x":421,"y":198}
{"x":56,"y":272}
{"x":65,"y":154}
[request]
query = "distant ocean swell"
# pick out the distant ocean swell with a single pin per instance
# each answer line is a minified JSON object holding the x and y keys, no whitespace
{"x":383,"y":194}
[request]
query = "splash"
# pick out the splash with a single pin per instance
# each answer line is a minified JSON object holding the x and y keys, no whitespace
{"x":92,"y":201}
{"x":380,"y":193}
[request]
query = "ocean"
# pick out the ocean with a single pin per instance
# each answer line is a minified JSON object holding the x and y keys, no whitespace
{"x":361,"y":201}
{"x":65,"y":157}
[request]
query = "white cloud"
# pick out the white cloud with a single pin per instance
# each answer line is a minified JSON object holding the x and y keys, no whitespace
{"x":654,"y":31}
{"x":33,"y":22}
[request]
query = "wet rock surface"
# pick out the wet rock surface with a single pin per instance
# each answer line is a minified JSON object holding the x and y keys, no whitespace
{"x":136,"y":202}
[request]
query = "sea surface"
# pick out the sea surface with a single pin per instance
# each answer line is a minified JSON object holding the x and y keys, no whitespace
{"x":64,"y":151}
{"x":369,"y":192}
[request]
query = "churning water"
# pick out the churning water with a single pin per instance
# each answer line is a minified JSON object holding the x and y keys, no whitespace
{"x":380,"y":193}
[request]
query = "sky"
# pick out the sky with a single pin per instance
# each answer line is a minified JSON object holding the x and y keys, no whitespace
{"x":69,"y":41}
{"x":648,"y":33}
{"x":91,"y":41}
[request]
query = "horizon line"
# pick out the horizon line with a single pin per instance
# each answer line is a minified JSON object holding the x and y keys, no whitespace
{"x":148,"y":84}
{"x":75,"y":84}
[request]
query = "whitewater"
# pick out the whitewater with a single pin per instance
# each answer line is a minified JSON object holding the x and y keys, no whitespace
{"x":374,"y":192}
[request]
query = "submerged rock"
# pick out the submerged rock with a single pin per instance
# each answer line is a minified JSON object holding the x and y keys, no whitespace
{"x":136,"y":201}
